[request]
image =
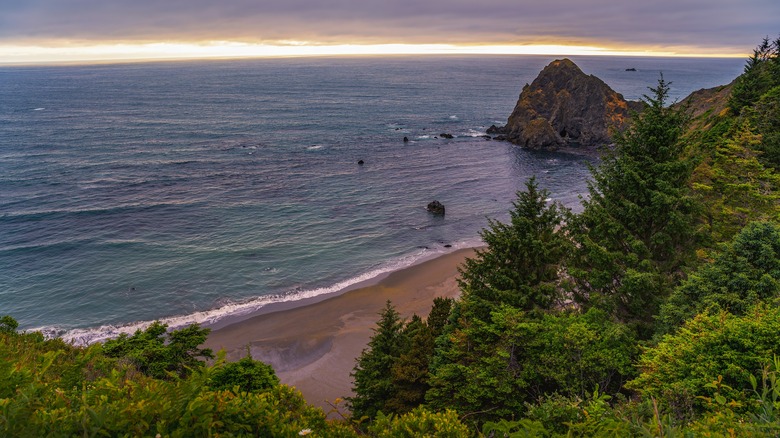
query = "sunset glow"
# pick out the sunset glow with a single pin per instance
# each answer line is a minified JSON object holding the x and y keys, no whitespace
{"x":19,"y":54}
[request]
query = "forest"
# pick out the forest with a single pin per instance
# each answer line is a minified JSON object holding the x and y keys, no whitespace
{"x":653,"y":312}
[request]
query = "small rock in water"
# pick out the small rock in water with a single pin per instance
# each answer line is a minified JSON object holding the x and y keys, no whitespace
{"x":445,"y":135}
{"x":360,"y":162}
{"x":496,"y":129}
{"x":406,"y":139}
{"x":436,"y":208}
{"x":448,"y":246}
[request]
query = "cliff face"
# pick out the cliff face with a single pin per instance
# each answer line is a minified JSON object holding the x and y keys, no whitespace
{"x":564,"y":107}
{"x":706,"y":105}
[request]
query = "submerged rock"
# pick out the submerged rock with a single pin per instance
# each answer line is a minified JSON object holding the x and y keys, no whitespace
{"x":436,"y":207}
{"x":445,"y":135}
{"x":564,"y":107}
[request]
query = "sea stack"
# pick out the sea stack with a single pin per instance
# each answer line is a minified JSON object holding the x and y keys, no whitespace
{"x":564,"y":107}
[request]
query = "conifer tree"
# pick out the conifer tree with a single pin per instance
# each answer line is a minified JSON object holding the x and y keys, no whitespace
{"x":473,"y":368}
{"x":373,"y":384}
{"x":762,"y":72}
{"x":637,"y":229}
{"x":440,"y":314}
{"x":520,"y":265}
{"x":410,"y":370}
{"x":746,"y":273}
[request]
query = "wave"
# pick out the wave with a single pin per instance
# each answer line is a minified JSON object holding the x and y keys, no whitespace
{"x":86,"y":336}
{"x":41,"y":214}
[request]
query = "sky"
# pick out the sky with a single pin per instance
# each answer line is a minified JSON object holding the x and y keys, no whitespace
{"x":77,"y":30}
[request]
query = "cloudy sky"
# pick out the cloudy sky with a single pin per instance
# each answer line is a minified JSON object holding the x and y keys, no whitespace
{"x":60,"y":28}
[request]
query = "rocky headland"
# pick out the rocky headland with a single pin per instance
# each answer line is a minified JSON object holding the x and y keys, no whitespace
{"x":566,"y":108}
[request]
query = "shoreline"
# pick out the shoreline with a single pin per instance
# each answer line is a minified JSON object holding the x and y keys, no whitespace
{"x":313,"y":345}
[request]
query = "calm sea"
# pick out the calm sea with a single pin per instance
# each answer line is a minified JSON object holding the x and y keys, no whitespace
{"x":187,"y":191}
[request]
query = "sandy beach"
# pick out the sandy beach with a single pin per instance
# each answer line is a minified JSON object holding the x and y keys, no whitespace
{"x":313,"y":347}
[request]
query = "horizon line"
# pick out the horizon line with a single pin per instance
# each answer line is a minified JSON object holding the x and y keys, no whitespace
{"x":17,"y":55}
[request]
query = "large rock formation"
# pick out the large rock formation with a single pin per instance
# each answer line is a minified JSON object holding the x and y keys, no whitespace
{"x":564,"y":107}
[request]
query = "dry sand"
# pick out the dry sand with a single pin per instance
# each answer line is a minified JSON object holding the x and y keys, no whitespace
{"x":314,"y":347}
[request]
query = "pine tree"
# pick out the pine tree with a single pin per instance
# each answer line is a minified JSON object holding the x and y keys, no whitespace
{"x":373,"y":384}
{"x":746,"y":273}
{"x":637,"y":228}
{"x":473,"y":369}
{"x":520,"y":265}
{"x":440,"y":314}
{"x":410,"y":370}
{"x":762,"y":72}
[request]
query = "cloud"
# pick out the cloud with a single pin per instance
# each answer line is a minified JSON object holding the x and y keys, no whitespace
{"x":662,"y":23}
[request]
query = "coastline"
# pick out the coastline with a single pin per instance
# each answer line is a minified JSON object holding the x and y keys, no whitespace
{"x":313,"y":347}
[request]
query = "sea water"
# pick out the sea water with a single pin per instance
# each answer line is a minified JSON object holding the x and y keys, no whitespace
{"x":189,"y":191}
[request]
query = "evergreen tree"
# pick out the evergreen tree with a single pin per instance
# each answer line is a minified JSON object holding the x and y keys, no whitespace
{"x":373,"y":384}
{"x":501,"y":365}
{"x":735,"y":188}
{"x":440,"y":314}
{"x":765,"y":119}
{"x":474,"y":368}
{"x":410,"y":370}
{"x":520,"y":265}
{"x":637,"y":228}
{"x":745,"y":274}
{"x":762,"y":72}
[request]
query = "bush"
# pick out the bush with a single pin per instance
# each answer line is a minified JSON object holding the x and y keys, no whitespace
{"x":719,"y":347}
{"x":419,"y":423}
{"x":246,"y":375}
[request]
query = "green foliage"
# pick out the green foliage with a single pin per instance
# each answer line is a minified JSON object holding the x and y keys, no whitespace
{"x":680,"y":370}
{"x":391,"y":375}
{"x":764,"y":116}
{"x":746,"y":273}
{"x":420,"y":423}
{"x":410,"y":370}
{"x":524,"y":428}
{"x":246,"y":375}
{"x":520,"y":265}
{"x":762,"y":72}
{"x":734,"y":186}
{"x":40,"y":397}
{"x":160,"y":354}
{"x":497,"y":367}
{"x":373,"y":384}
{"x":440,"y":315}
{"x":8,"y":324}
{"x":636,"y":231}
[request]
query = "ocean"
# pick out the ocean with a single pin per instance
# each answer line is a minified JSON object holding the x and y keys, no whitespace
{"x":192,"y":191}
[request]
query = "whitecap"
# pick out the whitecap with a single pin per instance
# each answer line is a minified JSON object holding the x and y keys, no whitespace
{"x":38,"y":109}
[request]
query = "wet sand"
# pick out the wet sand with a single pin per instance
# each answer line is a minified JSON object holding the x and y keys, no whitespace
{"x":314,"y":347}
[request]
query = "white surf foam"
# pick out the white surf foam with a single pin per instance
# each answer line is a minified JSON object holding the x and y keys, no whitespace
{"x":98,"y":334}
